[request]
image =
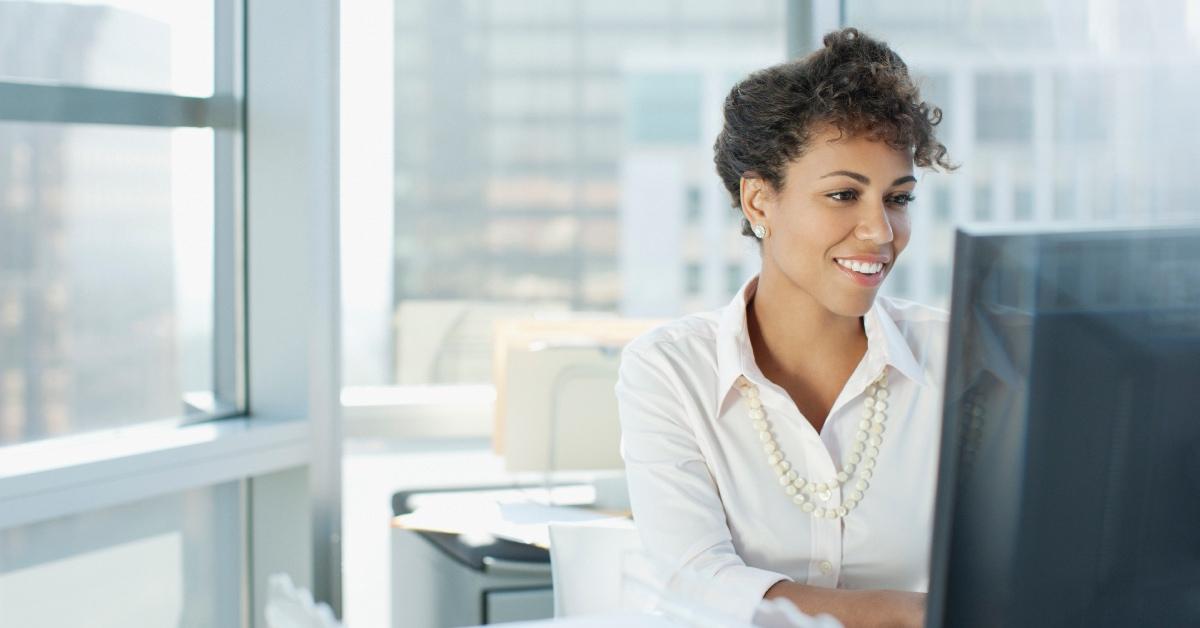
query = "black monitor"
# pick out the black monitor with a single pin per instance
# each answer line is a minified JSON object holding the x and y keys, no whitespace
{"x":1069,"y":478}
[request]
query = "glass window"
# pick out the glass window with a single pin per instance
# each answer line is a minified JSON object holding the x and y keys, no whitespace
{"x":518,"y":96}
{"x":898,"y":281}
{"x":166,"y":561}
{"x":734,"y":277}
{"x":139,"y":45}
{"x":106,"y":277}
{"x":1076,"y":124}
{"x":941,"y":203}
{"x":1023,"y":204}
{"x":516,"y":50}
{"x":533,"y":141}
{"x":1057,"y":110}
{"x":664,"y":108}
{"x":1064,"y":203}
{"x":693,"y":274}
{"x":983,"y":202}
{"x":694,"y":210}
{"x":1004,"y":107}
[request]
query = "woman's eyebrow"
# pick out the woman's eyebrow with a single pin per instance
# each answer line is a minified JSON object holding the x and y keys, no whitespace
{"x":863,"y":179}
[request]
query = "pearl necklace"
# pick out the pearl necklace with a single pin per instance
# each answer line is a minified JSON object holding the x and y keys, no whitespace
{"x":867,"y":440}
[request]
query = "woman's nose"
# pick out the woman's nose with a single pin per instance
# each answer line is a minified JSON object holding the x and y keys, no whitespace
{"x":875,"y":225}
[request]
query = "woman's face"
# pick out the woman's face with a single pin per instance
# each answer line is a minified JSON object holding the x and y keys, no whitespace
{"x":840,"y":221}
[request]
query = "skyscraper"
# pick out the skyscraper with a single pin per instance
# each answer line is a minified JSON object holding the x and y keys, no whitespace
{"x":87,"y":336}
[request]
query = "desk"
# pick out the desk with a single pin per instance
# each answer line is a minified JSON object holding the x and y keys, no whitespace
{"x":624,"y":620}
{"x":450,"y":568}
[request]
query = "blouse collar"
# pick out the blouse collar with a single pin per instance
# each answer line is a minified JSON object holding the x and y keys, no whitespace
{"x":886,"y":346}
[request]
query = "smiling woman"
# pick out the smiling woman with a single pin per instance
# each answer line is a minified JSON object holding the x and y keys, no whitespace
{"x":753,"y":436}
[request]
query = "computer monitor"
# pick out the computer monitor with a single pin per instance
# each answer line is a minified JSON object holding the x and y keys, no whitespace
{"x":1069,"y":481}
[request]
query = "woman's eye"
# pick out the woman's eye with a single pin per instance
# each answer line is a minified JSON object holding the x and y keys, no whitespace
{"x":902,"y":199}
{"x":844,"y":195}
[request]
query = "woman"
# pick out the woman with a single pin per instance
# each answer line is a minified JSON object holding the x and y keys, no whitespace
{"x":785,"y":446}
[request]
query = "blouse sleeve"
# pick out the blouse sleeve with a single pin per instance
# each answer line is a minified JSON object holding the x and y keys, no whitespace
{"x":674,"y":498}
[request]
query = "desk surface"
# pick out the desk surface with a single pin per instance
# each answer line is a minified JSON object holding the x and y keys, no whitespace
{"x":519,"y":514}
{"x":625,"y":620}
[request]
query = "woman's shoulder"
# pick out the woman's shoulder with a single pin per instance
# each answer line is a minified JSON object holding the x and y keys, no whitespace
{"x":925,"y":330}
{"x":903,"y":311}
{"x":690,"y":334}
{"x":671,"y":365}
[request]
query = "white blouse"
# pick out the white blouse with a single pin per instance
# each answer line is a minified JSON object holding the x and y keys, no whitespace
{"x":709,"y":505}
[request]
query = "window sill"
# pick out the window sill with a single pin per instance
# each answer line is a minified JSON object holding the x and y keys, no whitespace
{"x":411,"y":412}
{"x":63,"y":476}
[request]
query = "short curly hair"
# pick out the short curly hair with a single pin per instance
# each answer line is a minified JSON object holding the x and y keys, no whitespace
{"x":854,"y":82}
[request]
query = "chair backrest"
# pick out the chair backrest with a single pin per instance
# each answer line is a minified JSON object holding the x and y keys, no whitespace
{"x":586,"y":560}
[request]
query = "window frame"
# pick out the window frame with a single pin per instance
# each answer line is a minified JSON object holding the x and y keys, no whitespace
{"x":224,"y":113}
{"x":276,"y":425}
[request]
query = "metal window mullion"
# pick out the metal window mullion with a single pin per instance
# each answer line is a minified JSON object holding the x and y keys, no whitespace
{"x":229,"y":383}
{"x":33,"y":102}
{"x":229,"y":283}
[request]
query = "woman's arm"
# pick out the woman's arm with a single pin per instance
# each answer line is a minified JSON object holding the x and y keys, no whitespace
{"x":675,"y":501}
{"x":856,"y":609}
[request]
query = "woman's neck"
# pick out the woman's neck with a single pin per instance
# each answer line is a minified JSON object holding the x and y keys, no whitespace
{"x":794,"y":334}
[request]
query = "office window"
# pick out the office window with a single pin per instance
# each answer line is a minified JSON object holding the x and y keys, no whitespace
{"x":530,"y":97}
{"x":1023,"y":204}
{"x":1083,"y":124}
{"x":125,"y":500}
{"x":1064,"y":203}
{"x":1003,"y":107}
{"x":165,"y":561}
{"x":983,"y":202}
{"x":942,"y":210}
{"x":601,"y":96}
{"x":108,"y":218}
{"x":664,"y":108}
{"x":1051,"y":108}
{"x":109,"y":294}
{"x":734,"y":277}
{"x":940,"y":272}
{"x":693,"y":279}
{"x":898,"y":279}
{"x":517,"y":50}
{"x":537,"y":145}
{"x":1058,"y":110}
{"x":110,"y":44}
{"x":694,"y":211}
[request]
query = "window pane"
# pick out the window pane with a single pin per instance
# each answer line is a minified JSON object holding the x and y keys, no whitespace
{"x":1058,"y":110}
{"x":141,"y":45}
{"x":167,"y":561}
{"x":106,"y":277}
{"x":532,"y":138}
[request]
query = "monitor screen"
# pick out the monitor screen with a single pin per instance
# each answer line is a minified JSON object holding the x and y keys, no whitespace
{"x":1069,"y":477}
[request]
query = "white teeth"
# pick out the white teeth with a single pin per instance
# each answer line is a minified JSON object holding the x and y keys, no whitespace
{"x":866,"y":268}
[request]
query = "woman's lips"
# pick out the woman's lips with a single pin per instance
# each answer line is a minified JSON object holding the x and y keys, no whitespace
{"x":861,"y":279}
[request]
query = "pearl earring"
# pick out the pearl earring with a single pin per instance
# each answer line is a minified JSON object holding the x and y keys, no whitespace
{"x":760,"y":231}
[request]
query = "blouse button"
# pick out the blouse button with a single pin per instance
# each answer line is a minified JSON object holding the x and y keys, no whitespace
{"x":826,"y":567}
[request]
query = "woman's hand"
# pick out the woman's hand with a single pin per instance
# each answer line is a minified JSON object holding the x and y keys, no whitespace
{"x":856,"y":609}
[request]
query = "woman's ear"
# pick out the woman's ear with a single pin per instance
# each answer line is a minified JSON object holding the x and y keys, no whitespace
{"x":755,"y":199}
